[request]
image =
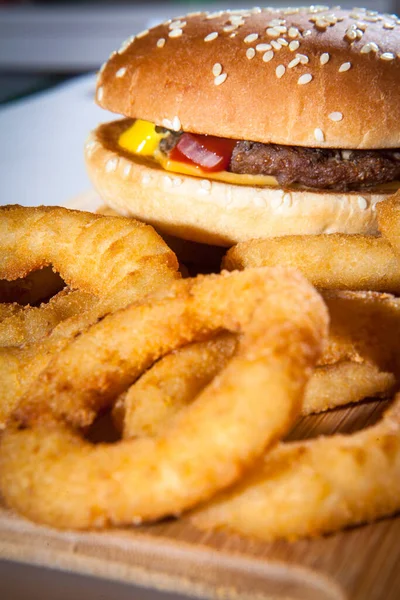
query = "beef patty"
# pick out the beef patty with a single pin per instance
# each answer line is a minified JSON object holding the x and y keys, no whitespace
{"x":312,"y":167}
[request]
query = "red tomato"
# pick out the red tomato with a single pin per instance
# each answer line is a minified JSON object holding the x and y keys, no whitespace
{"x":205,"y":151}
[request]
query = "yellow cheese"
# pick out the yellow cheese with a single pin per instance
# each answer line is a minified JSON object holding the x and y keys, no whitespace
{"x":142,"y":139}
{"x":224,"y":176}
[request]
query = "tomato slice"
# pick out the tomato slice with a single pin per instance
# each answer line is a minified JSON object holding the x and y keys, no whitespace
{"x":208,"y":152}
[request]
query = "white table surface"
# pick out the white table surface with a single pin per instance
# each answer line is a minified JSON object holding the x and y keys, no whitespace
{"x":42,"y":140}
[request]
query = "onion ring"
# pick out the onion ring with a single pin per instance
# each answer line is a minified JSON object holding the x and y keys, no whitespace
{"x":364,"y":327}
{"x":116,"y":259}
{"x":331,"y":261}
{"x":315,"y":486}
{"x":50,"y":474}
{"x":146,"y":409}
{"x":27,"y":324}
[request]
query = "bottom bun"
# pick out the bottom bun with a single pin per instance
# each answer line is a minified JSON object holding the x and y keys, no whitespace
{"x":218,"y":213}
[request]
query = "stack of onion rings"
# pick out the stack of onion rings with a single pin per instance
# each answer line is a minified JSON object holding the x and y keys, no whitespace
{"x":106,"y":261}
{"x":49,"y":473}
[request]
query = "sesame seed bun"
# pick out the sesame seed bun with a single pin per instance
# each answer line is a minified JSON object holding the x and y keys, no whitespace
{"x":308,"y":77}
{"x":217,"y":213}
{"x":343,"y":92}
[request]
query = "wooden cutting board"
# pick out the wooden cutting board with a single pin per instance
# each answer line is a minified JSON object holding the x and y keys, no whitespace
{"x":362,"y":563}
{"x":358,"y":564}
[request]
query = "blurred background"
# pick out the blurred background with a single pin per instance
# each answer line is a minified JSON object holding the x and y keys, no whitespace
{"x":42,"y":43}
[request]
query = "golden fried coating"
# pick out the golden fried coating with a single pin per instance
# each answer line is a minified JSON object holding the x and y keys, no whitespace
{"x":331,"y":261}
{"x":51,"y":474}
{"x":147,"y":407}
{"x":316,"y":486}
{"x":111,"y":261}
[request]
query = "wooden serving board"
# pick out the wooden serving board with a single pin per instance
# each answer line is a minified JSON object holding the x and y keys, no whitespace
{"x":358,"y":564}
{"x":361,"y":563}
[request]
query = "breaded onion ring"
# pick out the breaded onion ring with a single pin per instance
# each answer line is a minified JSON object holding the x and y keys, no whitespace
{"x":364,"y":327}
{"x":331,"y":261}
{"x":50,"y":474}
{"x":29,"y":324}
{"x":115,"y":259}
{"x":147,"y":407}
{"x":315,"y":486}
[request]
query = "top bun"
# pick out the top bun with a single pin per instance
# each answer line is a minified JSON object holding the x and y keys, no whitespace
{"x":315,"y":77}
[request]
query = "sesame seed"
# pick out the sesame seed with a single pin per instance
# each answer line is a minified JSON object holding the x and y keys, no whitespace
{"x":161,"y":43}
{"x":307,"y":33}
{"x":293,"y":32}
{"x":319,"y":135}
{"x":277,"y":22}
{"x":121,"y":72}
{"x":217,"y":69}
{"x":335,"y":116}
{"x":281,"y":28}
{"x":167,"y":123}
{"x":346,"y":154}
{"x":293,"y":63}
{"x":366,"y":49}
{"x":374,"y":47}
{"x":388,"y":26}
{"x":351,"y":34}
{"x":387,"y":56}
{"x":100,"y":94}
{"x":362,"y":203}
{"x":250,"y":53}
{"x":359,"y":34}
{"x":175,"y":33}
{"x":176,"y":124}
{"x":215,"y":15}
{"x":344,"y":67}
{"x":205,"y":184}
{"x":303,"y":79}
{"x":142,"y":34}
{"x":268,"y":56}
{"x":276,"y":45}
{"x":111,"y":165}
{"x":294,"y":45}
{"x":272,"y":32}
{"x":220,"y":79}
{"x":211,"y":36}
{"x":280,"y":71}
{"x":229,"y":28}
{"x":126,"y":44}
{"x":361,"y":25}
{"x":283,"y":42}
{"x":127,"y":169}
{"x":303,"y":58}
{"x":177,"y":24}
{"x":263,"y":47}
{"x":324,"y":58}
{"x":252,"y":37}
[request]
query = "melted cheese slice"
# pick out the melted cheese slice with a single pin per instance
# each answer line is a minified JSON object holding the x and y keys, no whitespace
{"x":143,"y":140}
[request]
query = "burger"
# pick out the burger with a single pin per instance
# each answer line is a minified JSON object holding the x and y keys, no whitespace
{"x":252,"y":123}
